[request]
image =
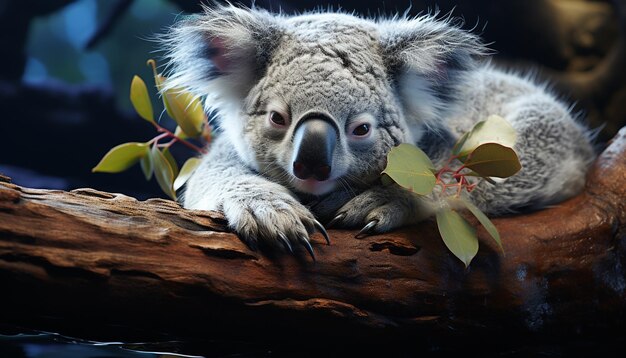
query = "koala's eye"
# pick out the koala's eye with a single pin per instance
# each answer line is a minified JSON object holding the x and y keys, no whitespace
{"x":361,"y":130}
{"x":277,"y":119}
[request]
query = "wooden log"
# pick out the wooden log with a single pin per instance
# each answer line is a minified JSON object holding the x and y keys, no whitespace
{"x":143,"y":269}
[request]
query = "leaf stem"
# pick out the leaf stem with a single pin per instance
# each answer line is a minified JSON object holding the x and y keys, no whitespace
{"x":156,"y":139}
{"x":169,"y":144}
{"x":167,"y":133}
{"x":461,"y":180}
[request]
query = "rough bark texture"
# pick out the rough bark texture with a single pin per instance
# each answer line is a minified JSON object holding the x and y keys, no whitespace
{"x":85,"y":257}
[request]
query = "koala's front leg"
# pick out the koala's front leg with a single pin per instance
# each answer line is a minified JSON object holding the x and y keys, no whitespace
{"x":382,"y":209}
{"x":256,"y":208}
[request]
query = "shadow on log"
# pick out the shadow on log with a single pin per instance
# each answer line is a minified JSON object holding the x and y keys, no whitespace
{"x":91,"y":263}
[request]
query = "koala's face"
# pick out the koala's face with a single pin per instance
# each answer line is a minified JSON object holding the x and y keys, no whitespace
{"x":315,"y":102}
{"x":324,"y":114}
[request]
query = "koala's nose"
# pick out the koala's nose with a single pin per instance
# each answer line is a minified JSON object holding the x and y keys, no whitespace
{"x":314,"y":143}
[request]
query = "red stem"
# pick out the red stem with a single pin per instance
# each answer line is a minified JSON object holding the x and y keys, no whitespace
{"x":158,"y":138}
{"x":167,"y":133}
{"x":462,"y":182}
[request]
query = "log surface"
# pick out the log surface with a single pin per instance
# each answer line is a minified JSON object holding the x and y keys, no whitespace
{"x":91,"y":256}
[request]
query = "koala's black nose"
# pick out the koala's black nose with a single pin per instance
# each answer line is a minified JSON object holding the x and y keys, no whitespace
{"x":314,"y":142}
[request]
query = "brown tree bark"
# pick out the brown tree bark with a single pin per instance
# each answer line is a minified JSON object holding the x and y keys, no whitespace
{"x":121,"y":266}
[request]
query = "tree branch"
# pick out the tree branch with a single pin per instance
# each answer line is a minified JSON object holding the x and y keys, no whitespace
{"x":125,"y":265}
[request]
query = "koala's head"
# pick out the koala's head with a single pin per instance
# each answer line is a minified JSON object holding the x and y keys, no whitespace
{"x":316,"y":101}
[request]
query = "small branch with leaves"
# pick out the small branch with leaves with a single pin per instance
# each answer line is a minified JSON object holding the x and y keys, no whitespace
{"x":154,"y":155}
{"x":484,"y":153}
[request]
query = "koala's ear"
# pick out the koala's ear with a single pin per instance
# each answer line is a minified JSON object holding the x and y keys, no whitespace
{"x":221,"y":52}
{"x":426,"y":57}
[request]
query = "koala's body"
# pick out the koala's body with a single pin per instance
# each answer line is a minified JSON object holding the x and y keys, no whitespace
{"x":310,"y":105}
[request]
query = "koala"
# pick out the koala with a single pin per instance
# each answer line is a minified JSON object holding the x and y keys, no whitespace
{"x":308,"y":106}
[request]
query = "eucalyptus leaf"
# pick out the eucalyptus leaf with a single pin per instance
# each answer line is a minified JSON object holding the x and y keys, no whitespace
{"x":159,"y":81}
{"x":458,"y":235}
{"x":185,"y":172}
{"x":483,"y":219}
{"x":140,"y":99}
{"x":171,"y":160}
{"x":163,"y":172}
{"x":121,"y":157}
{"x":186,"y":110}
{"x":494,"y":129}
{"x":146,"y":166}
{"x":183,"y":107}
{"x":493,"y":160}
{"x":411,"y":168}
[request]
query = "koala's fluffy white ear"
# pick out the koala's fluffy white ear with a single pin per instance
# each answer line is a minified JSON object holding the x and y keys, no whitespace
{"x":426,"y":57}
{"x":220,"y":53}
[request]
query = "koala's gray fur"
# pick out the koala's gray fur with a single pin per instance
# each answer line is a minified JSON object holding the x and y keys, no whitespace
{"x":417,"y":80}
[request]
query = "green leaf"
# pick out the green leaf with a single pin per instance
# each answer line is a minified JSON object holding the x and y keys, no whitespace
{"x":163,"y":172}
{"x":180,"y":105}
{"x":494,"y":129}
{"x":170,"y":159}
{"x":146,"y":166}
{"x":159,"y":81}
{"x":141,"y":99}
{"x":483,"y":219}
{"x":493,"y":160}
{"x":121,"y":157}
{"x":458,"y":235}
{"x":186,"y":110}
{"x":411,"y":168}
{"x":185,"y":172}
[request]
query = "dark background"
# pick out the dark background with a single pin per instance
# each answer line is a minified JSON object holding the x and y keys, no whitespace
{"x":66,"y":67}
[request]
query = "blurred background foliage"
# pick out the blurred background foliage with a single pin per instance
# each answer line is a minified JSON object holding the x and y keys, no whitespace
{"x":57,"y":45}
{"x":67,"y":66}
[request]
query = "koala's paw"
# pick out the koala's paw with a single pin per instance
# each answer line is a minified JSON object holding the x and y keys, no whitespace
{"x":381,"y":209}
{"x":275,"y":218}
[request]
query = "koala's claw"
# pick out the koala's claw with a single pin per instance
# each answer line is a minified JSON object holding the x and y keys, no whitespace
{"x":321,"y":229}
{"x":336,"y":219}
{"x":382,"y":209}
{"x":285,"y":242}
{"x":302,"y":239}
{"x":367,"y":229}
{"x":307,"y":245}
